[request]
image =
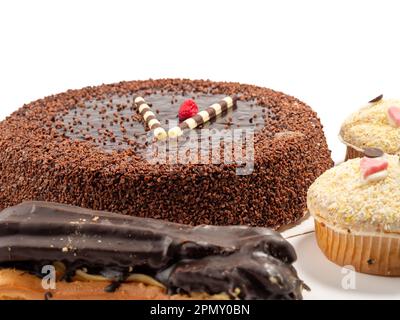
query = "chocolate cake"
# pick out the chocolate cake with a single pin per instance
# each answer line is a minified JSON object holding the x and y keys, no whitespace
{"x":92,"y":148}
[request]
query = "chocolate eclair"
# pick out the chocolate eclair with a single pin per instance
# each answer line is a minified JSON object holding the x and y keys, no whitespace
{"x":102,"y":255}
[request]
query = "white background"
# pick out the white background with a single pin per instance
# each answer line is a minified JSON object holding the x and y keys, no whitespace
{"x":334,"y":55}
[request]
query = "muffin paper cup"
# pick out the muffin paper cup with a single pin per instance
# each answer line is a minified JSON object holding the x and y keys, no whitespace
{"x":352,"y":152}
{"x":372,"y":254}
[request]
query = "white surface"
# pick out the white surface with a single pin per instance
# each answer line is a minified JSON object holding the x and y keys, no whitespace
{"x":329,"y":281}
{"x":334,"y":55}
{"x":325,"y":278}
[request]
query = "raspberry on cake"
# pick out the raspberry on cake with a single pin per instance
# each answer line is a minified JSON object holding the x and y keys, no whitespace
{"x":88,"y":148}
{"x":202,"y":117}
{"x":187,"y":110}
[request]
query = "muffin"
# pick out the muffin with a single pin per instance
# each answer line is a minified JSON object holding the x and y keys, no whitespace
{"x":376,"y":125}
{"x":356,"y":207}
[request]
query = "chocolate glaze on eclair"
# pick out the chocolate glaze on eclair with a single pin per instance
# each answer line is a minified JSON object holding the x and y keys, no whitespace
{"x":241,"y":262}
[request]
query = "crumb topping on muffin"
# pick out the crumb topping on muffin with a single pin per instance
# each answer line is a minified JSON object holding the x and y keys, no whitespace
{"x":372,"y":127}
{"x":342,"y":198}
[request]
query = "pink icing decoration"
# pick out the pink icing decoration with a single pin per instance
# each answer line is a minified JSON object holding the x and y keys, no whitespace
{"x":394,"y":115}
{"x":370,"y":166}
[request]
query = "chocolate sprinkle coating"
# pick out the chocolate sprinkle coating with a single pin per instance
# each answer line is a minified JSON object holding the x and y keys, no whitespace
{"x":244,"y":262}
{"x":373,"y":152}
{"x":39,"y":161}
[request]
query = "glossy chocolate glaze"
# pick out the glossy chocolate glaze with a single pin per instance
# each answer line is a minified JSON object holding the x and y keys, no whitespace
{"x":252,"y":263}
{"x":114,"y":124}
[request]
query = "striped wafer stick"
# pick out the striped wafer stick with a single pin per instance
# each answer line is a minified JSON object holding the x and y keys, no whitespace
{"x":203,"y":116}
{"x":150,"y":118}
